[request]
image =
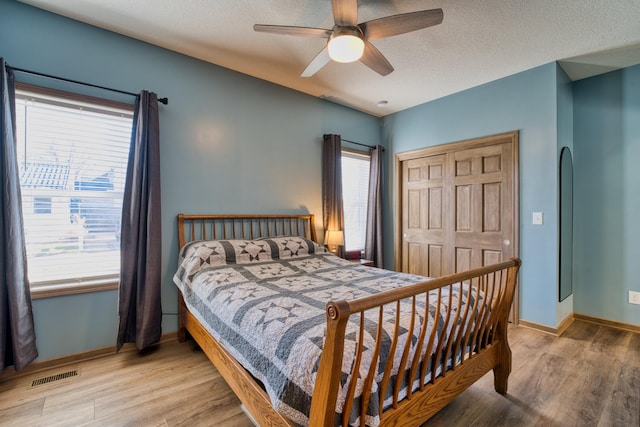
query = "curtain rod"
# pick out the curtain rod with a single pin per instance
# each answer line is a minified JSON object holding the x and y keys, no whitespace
{"x":164,"y":101}
{"x":360,"y":143}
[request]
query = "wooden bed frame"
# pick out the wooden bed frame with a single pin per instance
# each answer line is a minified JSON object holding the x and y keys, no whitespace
{"x":486,"y":336}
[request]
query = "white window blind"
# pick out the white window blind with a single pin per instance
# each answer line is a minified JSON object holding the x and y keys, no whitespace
{"x":355,"y":194}
{"x":73,"y":159}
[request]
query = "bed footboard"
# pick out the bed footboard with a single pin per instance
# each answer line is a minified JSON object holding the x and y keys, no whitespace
{"x":448,"y":352}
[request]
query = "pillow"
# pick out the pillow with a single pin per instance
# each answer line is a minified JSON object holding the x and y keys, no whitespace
{"x":195,"y":256}
{"x":293,"y":247}
{"x":201,"y":254}
{"x":268,"y":249}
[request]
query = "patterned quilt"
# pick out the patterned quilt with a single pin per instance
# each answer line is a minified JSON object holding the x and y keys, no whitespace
{"x":264,"y":300}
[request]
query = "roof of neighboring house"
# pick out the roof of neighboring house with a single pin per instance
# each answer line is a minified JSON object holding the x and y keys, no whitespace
{"x":44,"y":175}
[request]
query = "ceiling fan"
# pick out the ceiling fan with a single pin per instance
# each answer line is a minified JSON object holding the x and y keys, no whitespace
{"x":349,"y":41}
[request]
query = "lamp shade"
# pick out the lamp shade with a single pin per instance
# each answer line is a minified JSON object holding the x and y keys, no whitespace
{"x":334,"y":238}
{"x":346,"y":48}
{"x":346,"y":44}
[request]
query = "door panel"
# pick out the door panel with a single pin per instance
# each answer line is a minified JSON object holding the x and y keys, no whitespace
{"x":463,"y":208}
{"x":415,"y":266}
{"x":435,"y":261}
{"x":423,"y":216}
{"x":491,"y":207}
{"x":492,"y":257}
{"x":463,"y":259}
{"x":414,"y":219}
{"x":434,"y":207}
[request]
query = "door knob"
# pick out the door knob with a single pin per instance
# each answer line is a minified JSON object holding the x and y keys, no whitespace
{"x":506,"y":242}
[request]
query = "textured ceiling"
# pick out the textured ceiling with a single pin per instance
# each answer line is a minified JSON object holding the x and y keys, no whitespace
{"x":479,"y":41}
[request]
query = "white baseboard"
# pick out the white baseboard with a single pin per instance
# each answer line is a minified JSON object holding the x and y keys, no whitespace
{"x":55,"y":362}
{"x":562,"y":327}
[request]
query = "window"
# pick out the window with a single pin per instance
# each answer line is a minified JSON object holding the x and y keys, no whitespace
{"x":72,"y":154}
{"x":355,"y":193}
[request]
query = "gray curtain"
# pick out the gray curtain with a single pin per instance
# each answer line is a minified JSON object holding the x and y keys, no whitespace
{"x":332,"y":206}
{"x":17,"y":335}
{"x":373,"y":241}
{"x":139,"y":308}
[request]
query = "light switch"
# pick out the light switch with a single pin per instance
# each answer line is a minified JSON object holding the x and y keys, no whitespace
{"x":537,"y":218}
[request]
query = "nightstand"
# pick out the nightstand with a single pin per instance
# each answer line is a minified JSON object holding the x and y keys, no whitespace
{"x":366,"y":262}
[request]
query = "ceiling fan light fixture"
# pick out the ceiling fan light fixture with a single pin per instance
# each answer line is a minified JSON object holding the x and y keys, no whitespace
{"x":346,"y":45}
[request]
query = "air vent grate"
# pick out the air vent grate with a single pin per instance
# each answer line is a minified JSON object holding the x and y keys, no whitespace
{"x":53,"y":378}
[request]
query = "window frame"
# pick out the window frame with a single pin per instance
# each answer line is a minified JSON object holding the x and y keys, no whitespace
{"x":360,"y":155}
{"x":86,"y":285}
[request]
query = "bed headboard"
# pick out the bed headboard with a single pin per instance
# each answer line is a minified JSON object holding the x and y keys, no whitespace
{"x":211,"y":227}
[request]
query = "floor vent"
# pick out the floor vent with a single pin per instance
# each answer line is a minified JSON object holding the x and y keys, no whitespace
{"x":53,"y":378}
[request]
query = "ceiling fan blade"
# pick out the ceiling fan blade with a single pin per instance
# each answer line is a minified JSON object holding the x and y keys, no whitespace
{"x":293,"y":31}
{"x":345,"y":12}
{"x":375,"y":60}
{"x":400,"y":24}
{"x":321,"y":59}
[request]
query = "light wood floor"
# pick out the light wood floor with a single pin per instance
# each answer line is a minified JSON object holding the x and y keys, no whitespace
{"x":588,"y":377}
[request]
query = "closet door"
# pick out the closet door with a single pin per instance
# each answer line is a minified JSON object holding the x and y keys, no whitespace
{"x":423,"y":216}
{"x":481,"y":193}
{"x":459,"y":206}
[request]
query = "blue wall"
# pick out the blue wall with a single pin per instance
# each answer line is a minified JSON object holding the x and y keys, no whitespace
{"x":526,"y":102}
{"x":607,"y":195}
{"x":230,"y":143}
